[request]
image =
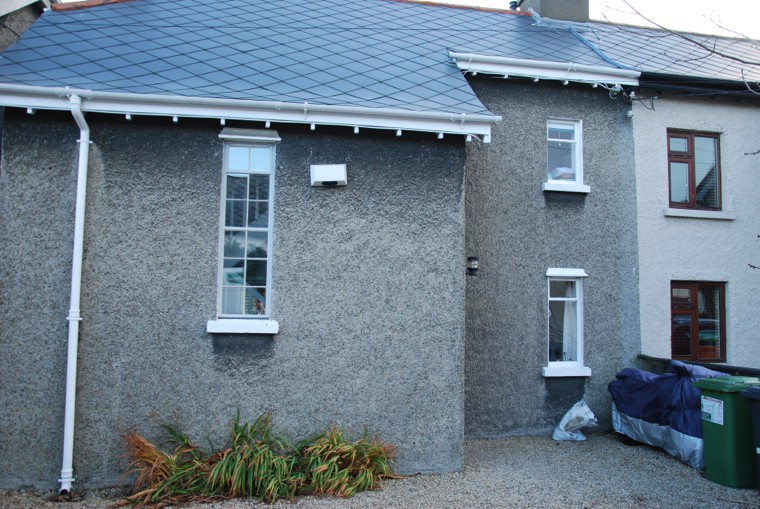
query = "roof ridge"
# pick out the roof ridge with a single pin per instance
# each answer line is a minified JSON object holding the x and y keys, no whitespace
{"x":460,"y":6}
{"x":84,"y":4}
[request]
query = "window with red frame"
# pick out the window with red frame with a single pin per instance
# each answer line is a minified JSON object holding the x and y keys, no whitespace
{"x":698,"y":330}
{"x":694,"y":170}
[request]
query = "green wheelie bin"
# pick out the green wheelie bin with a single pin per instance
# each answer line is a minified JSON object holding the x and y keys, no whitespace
{"x":729,"y":452}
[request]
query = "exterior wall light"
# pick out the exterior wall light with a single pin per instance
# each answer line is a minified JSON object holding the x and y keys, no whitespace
{"x":473,"y":264}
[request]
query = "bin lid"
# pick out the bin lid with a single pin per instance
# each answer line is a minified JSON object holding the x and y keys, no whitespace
{"x":727,"y":383}
{"x":752,"y":393}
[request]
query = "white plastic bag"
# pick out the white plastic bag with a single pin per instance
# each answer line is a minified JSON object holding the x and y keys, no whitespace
{"x":579,"y":416}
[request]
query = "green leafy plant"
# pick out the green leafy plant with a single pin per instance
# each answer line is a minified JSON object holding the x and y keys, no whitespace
{"x":335,"y":466}
{"x":256,"y":463}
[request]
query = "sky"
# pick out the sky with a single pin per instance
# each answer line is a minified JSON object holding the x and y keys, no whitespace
{"x":702,"y":16}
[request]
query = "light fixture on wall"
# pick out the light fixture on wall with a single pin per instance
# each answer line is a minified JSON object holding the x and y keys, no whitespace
{"x":328,"y":175}
{"x":473,"y":265}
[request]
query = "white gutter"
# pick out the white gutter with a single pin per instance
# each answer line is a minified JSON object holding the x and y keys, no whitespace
{"x":23,"y":96}
{"x":561,"y":71}
{"x":67,"y":470}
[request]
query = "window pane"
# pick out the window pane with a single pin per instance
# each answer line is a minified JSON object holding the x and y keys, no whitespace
{"x":680,"y":296}
{"x":233,"y":276}
{"x":259,"y":187}
{"x":238,"y":159}
{"x":706,"y":171}
{"x":234,"y":243}
{"x":260,"y":159}
{"x":232,"y":301}
{"x":234,"y":214}
{"x":233,"y":263}
{"x":563,"y":331}
{"x":562,"y":289}
{"x":709,"y":321}
{"x":561,"y":157}
{"x":237,"y":186}
{"x":258,"y":214}
{"x":256,"y":272}
{"x":257,"y":245}
{"x":561,"y":133}
{"x":679,"y":145}
{"x":679,"y":182}
{"x":255,"y":301}
{"x":681,"y":335}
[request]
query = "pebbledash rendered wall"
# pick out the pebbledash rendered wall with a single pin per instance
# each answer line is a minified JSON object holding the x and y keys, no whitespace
{"x":518,"y":231}
{"x":368,"y":288}
{"x":714,"y":247}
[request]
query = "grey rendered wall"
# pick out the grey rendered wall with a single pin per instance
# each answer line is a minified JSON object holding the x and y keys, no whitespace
{"x":519,"y":231}
{"x":368,"y":288}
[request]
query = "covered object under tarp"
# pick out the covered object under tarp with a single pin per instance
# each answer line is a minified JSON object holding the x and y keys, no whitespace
{"x":662,"y":410}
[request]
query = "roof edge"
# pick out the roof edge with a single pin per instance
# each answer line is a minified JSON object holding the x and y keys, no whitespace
{"x":440,"y":122}
{"x":539,"y":69}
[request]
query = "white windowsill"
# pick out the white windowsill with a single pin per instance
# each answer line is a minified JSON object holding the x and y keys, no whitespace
{"x":566,"y":371}
{"x":240,"y":326}
{"x":567,"y":188}
{"x":701,"y":214}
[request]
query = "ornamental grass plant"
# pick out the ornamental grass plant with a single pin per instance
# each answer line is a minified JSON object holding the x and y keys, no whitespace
{"x":255,"y":463}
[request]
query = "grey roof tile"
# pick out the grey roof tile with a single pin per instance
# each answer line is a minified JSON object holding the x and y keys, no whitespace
{"x":661,"y":52}
{"x":367,"y":53}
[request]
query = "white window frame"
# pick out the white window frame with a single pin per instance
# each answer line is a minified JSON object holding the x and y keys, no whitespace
{"x":564,"y":185}
{"x":240,"y":324}
{"x":575,"y":367}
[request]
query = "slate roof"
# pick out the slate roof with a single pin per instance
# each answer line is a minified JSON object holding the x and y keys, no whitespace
{"x":365,"y":53}
{"x":676,"y":53}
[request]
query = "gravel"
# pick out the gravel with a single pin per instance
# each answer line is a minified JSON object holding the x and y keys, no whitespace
{"x":517,"y":472}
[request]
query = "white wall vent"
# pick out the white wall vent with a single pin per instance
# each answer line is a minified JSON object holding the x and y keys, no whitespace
{"x":328,"y":175}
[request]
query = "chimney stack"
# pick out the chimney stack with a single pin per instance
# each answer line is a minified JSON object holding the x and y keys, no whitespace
{"x":567,"y":10}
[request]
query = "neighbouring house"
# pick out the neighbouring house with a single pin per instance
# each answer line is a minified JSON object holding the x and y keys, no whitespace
{"x":696,"y":126}
{"x":272,"y":206}
{"x":16,"y":16}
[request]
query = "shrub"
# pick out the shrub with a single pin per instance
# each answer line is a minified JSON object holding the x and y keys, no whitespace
{"x":256,"y":463}
{"x":334,"y":466}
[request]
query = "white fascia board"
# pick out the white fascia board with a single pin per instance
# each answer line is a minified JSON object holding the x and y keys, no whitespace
{"x":561,"y":71}
{"x":230,"y":109}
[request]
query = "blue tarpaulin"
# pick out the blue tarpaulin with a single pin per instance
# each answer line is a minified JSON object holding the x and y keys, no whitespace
{"x":662,"y":410}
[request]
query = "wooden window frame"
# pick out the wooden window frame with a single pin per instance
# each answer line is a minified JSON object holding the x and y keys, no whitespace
{"x":698,"y":353}
{"x":689,"y":159}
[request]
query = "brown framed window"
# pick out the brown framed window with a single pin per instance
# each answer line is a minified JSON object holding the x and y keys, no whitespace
{"x":694,"y":170}
{"x":698,"y":324}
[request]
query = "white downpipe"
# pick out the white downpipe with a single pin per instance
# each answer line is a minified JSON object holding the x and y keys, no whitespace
{"x":74,"y":317}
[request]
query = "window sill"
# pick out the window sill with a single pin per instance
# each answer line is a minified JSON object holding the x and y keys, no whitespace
{"x":240,"y":326}
{"x":566,"y":371}
{"x":566,"y":188}
{"x":701,"y":214}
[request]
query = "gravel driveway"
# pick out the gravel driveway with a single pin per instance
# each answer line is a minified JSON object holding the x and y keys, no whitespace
{"x":518,"y":472}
